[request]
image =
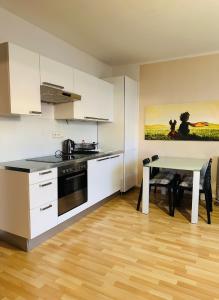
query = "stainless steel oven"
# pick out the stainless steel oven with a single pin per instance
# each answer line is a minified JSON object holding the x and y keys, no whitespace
{"x":72,"y":186}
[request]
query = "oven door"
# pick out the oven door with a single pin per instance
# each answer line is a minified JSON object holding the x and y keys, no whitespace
{"x":72,"y":191}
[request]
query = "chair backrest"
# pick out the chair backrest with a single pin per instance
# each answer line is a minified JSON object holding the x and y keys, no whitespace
{"x":207,"y":176}
{"x":146,"y":161}
{"x":154,"y":170}
{"x":154,"y":157}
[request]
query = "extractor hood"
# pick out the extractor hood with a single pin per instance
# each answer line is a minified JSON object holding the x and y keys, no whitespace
{"x":52,"y":93}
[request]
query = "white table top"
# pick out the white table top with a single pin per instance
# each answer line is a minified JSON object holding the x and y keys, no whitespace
{"x":179,"y":163}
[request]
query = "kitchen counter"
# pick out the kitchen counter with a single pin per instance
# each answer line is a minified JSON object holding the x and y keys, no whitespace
{"x":28,"y":166}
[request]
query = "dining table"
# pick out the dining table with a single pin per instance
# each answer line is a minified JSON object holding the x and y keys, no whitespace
{"x":193,"y":165}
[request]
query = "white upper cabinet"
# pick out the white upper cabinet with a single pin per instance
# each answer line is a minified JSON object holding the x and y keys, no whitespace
{"x":20,"y":81}
{"x":96,"y":100}
{"x":56,"y":73}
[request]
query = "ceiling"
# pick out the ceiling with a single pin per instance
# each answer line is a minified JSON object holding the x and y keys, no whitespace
{"x":127,"y":31}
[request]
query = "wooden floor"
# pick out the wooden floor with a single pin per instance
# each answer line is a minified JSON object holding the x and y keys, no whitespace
{"x":119,"y":253}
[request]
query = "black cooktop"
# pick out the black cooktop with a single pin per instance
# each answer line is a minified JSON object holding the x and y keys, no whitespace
{"x":57,"y":159}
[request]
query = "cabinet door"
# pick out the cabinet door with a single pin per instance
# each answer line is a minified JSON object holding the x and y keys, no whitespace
{"x":115,"y":173}
{"x":42,"y":192}
{"x":54,"y":72}
{"x":97,"y":98}
{"x":105,"y":100}
{"x":104,"y":177}
{"x":98,"y":179}
{"x":24,"y":81}
{"x":130,"y":169}
{"x":43,"y":218}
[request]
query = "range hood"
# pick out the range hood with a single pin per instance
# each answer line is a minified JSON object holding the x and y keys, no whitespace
{"x":52,"y":93}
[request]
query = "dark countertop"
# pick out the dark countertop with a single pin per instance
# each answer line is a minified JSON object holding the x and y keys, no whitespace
{"x":32,"y":166}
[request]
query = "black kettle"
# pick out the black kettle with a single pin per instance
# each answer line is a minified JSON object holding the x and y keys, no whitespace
{"x":68,"y":147}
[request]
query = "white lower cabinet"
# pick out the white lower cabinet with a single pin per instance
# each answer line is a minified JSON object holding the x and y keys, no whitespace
{"x":42,"y":192}
{"x":43,"y":218}
{"x":30,"y":207}
{"x":104,"y":177}
{"x":43,"y":195}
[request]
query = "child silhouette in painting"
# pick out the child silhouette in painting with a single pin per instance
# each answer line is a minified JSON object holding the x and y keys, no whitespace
{"x":184,"y":131}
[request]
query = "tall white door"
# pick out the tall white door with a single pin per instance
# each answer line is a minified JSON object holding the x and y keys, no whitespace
{"x":131,"y":134}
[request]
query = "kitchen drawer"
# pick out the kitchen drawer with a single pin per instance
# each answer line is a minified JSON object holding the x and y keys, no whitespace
{"x":42,"y":175}
{"x":43,"y":218}
{"x":43,"y":192}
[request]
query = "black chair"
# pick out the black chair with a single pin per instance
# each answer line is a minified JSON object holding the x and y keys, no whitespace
{"x":205,"y":187}
{"x":159,"y":179}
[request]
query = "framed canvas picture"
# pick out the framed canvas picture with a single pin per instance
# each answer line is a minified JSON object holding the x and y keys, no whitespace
{"x":196,"y":121}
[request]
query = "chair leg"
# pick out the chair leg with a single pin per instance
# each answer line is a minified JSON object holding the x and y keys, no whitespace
{"x":180,"y":194}
{"x":140,"y":196}
{"x":210,"y":200}
{"x":208,"y":205}
{"x":175,"y":199}
{"x":171,"y":213}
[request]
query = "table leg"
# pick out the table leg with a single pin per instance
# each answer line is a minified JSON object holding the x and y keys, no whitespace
{"x":195,"y":197}
{"x":146,"y":190}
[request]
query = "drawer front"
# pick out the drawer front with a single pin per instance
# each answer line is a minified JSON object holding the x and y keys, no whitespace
{"x":43,"y":218}
{"x":43,"y":192}
{"x":42,"y":175}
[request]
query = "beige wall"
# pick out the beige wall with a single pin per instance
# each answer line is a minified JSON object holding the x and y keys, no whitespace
{"x":183,"y":80}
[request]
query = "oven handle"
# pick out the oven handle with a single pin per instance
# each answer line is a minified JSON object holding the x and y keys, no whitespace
{"x":75,"y":176}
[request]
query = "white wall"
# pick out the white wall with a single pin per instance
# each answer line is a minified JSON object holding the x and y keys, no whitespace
{"x":32,"y":136}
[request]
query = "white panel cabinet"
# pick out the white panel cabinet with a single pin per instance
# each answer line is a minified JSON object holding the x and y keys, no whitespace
{"x":104,"y":177}
{"x":20,"y":81}
{"x":96,"y":103}
{"x":123,"y":132}
{"x":56,"y":73}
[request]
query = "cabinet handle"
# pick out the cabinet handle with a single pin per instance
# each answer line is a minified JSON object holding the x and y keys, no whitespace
{"x":45,"y":208}
{"x":103,"y":159}
{"x":54,"y":85}
{"x":93,"y":118}
{"x":44,"y":173}
{"x":115,"y":156}
{"x":45,"y":184}
{"x":35,"y":112}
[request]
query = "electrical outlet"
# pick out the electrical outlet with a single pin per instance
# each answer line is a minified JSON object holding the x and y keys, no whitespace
{"x":57,"y":135}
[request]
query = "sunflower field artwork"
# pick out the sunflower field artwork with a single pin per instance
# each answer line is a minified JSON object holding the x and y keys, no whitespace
{"x":196,"y":121}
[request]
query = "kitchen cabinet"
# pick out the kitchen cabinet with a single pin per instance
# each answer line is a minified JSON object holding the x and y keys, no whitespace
{"x":104,"y":177}
{"x":96,"y":103}
{"x":20,"y":81}
{"x":123,"y":132}
{"x":56,"y":73}
{"x":30,"y":208}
